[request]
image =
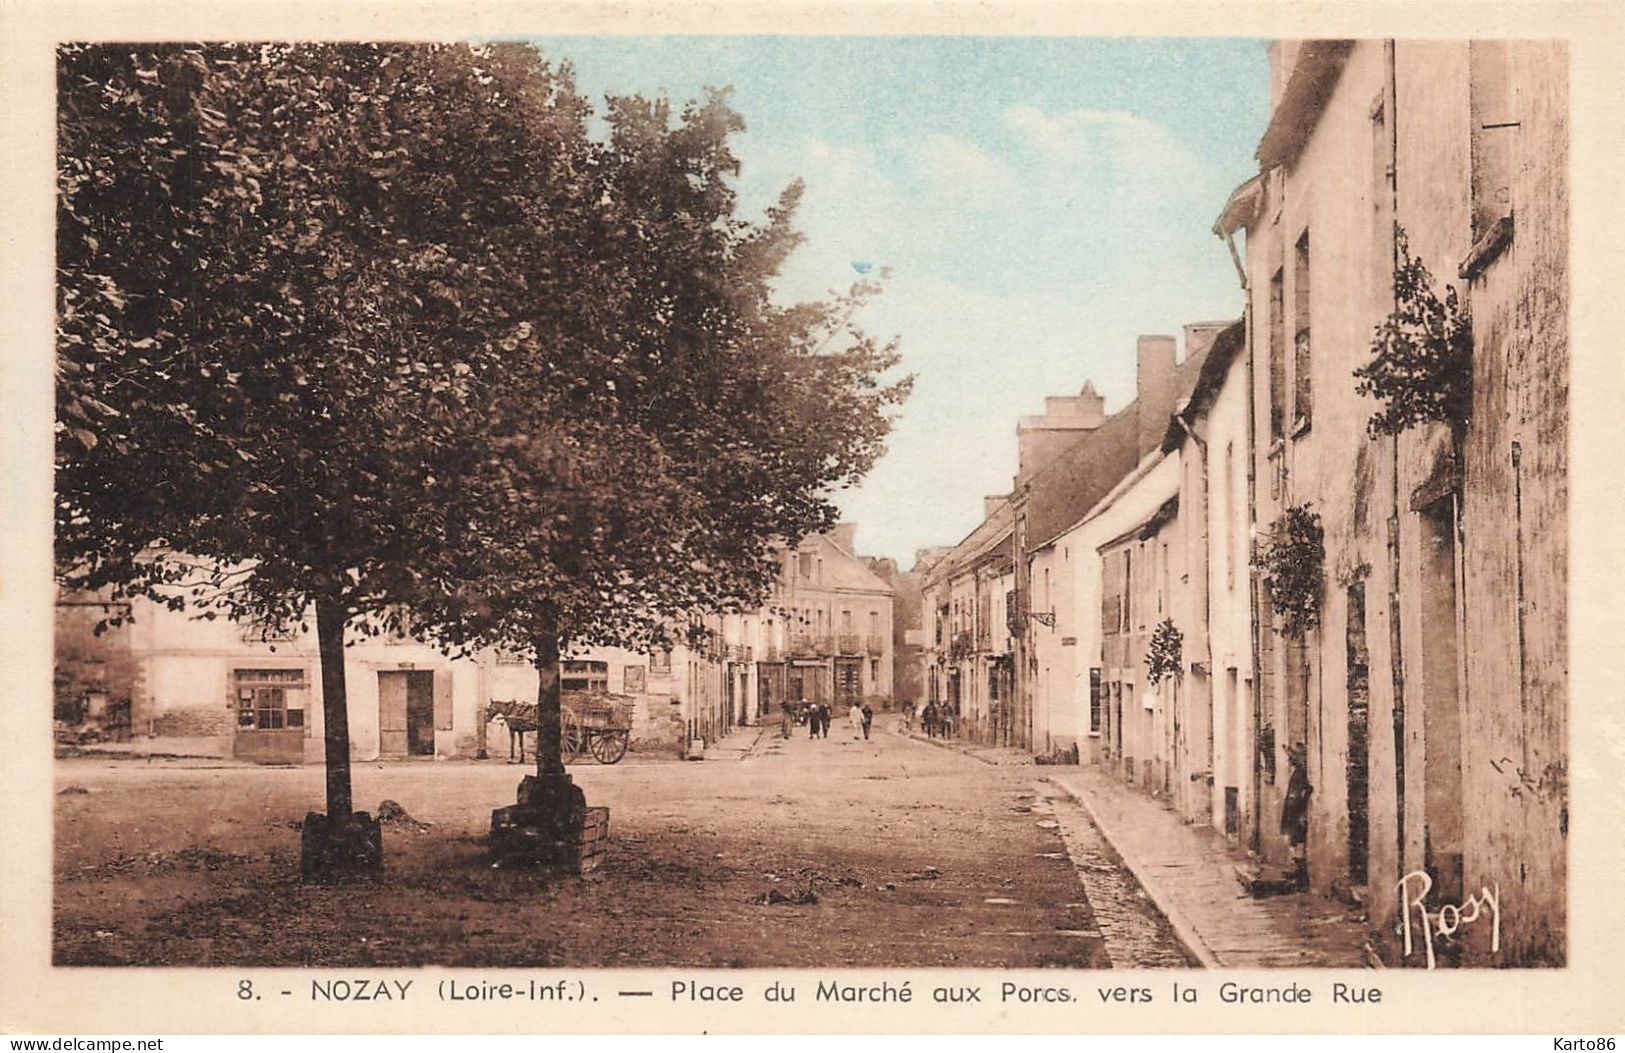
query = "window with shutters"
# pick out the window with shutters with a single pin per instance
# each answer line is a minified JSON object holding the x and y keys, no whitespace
{"x":1492,"y":102}
{"x":1495,"y":126}
{"x":1094,"y":701}
{"x":1302,"y":375}
{"x":1277,"y":355}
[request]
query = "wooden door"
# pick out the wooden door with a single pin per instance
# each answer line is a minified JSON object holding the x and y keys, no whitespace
{"x":392,"y":724}
{"x":420,"y":714}
{"x":847,"y":689}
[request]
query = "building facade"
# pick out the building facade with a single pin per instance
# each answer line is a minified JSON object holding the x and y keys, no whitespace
{"x":172,"y":681}
{"x":1430,"y":700}
{"x":832,"y":637}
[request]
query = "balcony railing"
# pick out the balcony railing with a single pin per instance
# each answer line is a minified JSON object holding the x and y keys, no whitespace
{"x":875,"y":645}
{"x":810,"y":643}
{"x":850,"y":643}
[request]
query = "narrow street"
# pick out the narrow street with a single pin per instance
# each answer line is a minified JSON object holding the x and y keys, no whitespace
{"x":881,"y":853}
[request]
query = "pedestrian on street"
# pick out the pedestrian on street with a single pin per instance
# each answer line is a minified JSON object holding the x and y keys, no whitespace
{"x":1295,"y":811}
{"x":812,"y":719}
{"x":929,"y":719}
{"x":854,"y":720}
{"x":821,"y":715}
{"x":868,"y":718}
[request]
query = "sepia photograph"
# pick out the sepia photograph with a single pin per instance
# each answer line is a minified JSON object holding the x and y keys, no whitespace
{"x":816,"y":502}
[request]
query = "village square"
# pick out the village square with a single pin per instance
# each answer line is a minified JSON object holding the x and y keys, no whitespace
{"x":469,"y":555}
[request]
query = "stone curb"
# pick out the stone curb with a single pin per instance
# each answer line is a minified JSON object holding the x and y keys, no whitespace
{"x":1184,"y":931}
{"x":946,"y":745}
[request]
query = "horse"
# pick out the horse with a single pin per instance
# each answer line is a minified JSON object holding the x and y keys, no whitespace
{"x":519,"y":718}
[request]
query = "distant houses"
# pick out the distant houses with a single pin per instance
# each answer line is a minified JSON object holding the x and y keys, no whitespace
{"x":1336,"y":525}
{"x":174,"y":682}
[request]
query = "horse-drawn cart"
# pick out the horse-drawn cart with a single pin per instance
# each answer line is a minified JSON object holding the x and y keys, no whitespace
{"x":599,"y":724}
{"x":594,"y":723}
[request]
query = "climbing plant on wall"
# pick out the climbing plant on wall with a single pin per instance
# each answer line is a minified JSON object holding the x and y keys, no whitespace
{"x":1292,"y":561}
{"x":1164,"y":655}
{"x":1421,"y":368}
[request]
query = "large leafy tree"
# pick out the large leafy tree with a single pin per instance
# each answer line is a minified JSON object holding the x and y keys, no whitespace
{"x":377,"y":329}
{"x":643,"y":467}
{"x":287,"y":276}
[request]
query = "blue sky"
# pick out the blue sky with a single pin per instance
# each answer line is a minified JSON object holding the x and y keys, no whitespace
{"x":1039,"y":201}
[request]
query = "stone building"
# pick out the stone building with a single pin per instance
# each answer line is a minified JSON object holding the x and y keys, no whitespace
{"x":172,"y":681}
{"x":216,"y":687}
{"x":1431,"y":691}
{"x":967,"y":649}
{"x":910,"y":616}
{"x":1058,"y":637}
{"x":1208,"y":434}
{"x":828,"y":626}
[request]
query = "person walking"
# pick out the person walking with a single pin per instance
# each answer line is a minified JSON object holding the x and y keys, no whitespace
{"x":812,"y":719}
{"x":868,"y":718}
{"x":854,"y":720}
{"x":929,"y":719}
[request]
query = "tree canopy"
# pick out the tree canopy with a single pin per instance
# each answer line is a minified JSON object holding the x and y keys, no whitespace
{"x":385,"y":330}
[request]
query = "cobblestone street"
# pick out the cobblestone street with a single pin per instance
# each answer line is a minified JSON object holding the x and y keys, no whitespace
{"x":798,"y":852}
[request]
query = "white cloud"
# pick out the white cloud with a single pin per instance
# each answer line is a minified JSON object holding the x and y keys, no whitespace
{"x":1115,"y":137}
{"x":956,"y":165}
{"x":1022,"y":265}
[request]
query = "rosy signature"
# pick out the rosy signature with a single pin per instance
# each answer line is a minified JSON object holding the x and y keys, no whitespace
{"x":1449,"y":917}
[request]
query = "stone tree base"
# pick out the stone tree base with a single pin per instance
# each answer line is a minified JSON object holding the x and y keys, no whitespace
{"x":331,"y":852}
{"x":550,"y":828}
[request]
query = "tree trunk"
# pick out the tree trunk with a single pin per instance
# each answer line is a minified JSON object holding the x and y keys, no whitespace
{"x":330,"y":621}
{"x":549,"y":740}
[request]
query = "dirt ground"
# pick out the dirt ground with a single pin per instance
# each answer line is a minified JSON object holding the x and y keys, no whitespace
{"x":916,"y":855}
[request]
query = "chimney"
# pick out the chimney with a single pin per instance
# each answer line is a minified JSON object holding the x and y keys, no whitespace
{"x":1091,"y":402}
{"x":1066,"y":419}
{"x":994,"y":503}
{"x":846,"y":536}
{"x":1156,"y":383}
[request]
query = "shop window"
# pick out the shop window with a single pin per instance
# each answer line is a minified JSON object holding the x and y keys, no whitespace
{"x":585,"y":676}
{"x":270,"y":699}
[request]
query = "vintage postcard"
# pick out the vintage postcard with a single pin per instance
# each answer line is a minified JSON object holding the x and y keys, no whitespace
{"x":806,"y":518}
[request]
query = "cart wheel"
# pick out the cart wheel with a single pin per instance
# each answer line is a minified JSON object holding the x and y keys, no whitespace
{"x":610,"y":747}
{"x":572,"y":737}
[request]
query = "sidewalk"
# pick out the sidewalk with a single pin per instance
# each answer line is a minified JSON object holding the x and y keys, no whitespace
{"x":1001,"y":756}
{"x":1189,"y":872}
{"x":738,"y":743}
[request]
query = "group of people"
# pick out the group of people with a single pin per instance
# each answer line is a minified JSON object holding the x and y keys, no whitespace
{"x":860,"y":717}
{"x":937,"y":720}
